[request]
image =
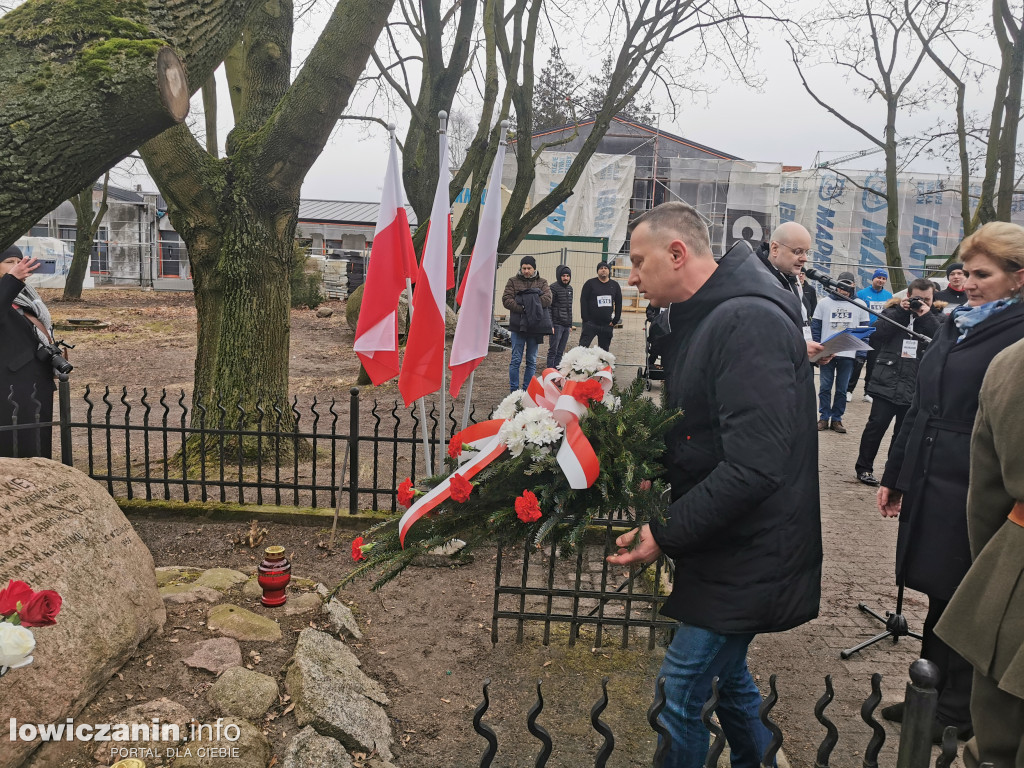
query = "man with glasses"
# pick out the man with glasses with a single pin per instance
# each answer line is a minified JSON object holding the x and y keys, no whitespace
{"x":892,"y":382}
{"x":784,"y":256}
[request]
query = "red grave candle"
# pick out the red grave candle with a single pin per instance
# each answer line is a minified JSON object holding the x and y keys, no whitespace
{"x":274,"y":574}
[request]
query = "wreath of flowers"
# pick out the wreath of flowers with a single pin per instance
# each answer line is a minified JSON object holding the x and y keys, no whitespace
{"x":626,"y":430}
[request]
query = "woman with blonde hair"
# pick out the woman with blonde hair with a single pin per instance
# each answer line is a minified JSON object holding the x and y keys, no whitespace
{"x":926,"y":476}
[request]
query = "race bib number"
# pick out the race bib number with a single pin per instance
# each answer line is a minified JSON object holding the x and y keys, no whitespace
{"x":604,"y":301}
{"x":910,"y":349}
{"x":877,"y":306}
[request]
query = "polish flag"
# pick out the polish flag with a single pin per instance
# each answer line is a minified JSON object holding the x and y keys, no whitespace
{"x":423,"y":365}
{"x":392,"y":261}
{"x":476,"y":295}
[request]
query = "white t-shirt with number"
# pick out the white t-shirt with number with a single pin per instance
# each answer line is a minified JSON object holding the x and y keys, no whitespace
{"x":836,"y":316}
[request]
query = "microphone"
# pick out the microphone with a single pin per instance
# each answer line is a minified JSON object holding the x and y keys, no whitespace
{"x":821,"y":277}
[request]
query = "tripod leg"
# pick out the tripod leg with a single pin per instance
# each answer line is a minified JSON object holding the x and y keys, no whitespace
{"x":877,"y":638}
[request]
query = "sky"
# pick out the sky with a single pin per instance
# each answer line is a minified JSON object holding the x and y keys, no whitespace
{"x":777,"y":122}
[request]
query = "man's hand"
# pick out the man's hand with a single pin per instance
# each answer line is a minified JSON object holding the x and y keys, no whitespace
{"x":814,"y":348}
{"x":890,"y":501}
{"x":24,"y":268}
{"x":646,"y":550}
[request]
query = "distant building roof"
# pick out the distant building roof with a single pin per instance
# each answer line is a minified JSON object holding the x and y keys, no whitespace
{"x":119,"y":194}
{"x":643,"y":128}
{"x":344,"y":212}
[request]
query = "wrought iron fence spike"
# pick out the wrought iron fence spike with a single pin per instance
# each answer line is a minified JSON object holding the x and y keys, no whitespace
{"x":831,"y":732}
{"x":537,"y":731}
{"x":602,"y":727}
{"x":718,"y":744}
{"x":485,"y":730}
{"x":775,"y":743}
{"x":664,"y":737}
{"x":948,"y":748}
{"x":867,"y":714}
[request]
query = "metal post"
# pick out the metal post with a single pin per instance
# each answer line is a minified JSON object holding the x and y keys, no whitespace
{"x":918,"y":715}
{"x":64,"y":401}
{"x":353,"y":451}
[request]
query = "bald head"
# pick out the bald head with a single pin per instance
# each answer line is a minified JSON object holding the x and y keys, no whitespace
{"x":790,"y":247}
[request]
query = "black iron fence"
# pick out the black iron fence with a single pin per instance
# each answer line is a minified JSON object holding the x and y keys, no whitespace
{"x":915,"y":736}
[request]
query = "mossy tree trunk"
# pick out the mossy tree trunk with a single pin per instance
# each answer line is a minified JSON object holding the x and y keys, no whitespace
{"x":237,"y":214}
{"x":86,"y":225}
{"x":85,"y":82}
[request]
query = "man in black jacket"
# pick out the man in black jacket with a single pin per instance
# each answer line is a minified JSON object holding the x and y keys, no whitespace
{"x":527,"y":298}
{"x":953,"y":294}
{"x":561,"y":314}
{"x":895,"y":374}
{"x":743,"y":526}
{"x":600,"y":308}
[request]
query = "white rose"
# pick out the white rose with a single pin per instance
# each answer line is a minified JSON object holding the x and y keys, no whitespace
{"x":16,"y":643}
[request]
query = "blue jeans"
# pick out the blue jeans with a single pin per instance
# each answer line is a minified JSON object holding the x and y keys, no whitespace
{"x":838,"y":372}
{"x":520,"y":340}
{"x":556,"y":347}
{"x":694,"y":658}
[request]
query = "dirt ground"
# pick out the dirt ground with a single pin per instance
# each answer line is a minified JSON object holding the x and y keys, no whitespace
{"x":427,"y":633}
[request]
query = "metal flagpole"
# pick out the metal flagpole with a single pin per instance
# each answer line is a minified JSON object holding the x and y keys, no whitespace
{"x":469,"y":400}
{"x":443,"y":147}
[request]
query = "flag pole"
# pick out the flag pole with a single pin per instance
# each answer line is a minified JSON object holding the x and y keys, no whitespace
{"x":442,"y":117}
{"x":469,"y":399}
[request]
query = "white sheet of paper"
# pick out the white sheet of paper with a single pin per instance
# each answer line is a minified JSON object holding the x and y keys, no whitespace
{"x":844,"y":341}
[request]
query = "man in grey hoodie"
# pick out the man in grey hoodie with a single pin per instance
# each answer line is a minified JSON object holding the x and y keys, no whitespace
{"x":561,"y":314}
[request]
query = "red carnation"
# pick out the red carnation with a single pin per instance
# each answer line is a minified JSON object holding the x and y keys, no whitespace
{"x":455,"y":448}
{"x":460,"y":488}
{"x":357,"y":549}
{"x":15,"y":592}
{"x":527,"y":508}
{"x":406,"y":493}
{"x":41,"y":609}
{"x":588,"y":391}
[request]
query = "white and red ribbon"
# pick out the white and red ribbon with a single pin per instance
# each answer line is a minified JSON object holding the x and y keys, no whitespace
{"x":576,"y":456}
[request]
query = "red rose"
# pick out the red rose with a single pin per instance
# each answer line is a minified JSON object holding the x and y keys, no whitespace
{"x":460,"y":488}
{"x":588,"y":391}
{"x":455,"y":448}
{"x":527,"y":508}
{"x":41,"y":609}
{"x":15,"y":592}
{"x":406,"y":493}
{"x":357,"y":551}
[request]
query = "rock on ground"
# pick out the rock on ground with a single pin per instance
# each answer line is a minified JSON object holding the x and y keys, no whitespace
{"x":62,"y":531}
{"x":244,"y":693}
{"x":311,"y":750}
{"x":304,"y":602}
{"x":333,"y":695}
{"x":340,"y":619}
{"x":179,"y":594}
{"x":216,"y":655}
{"x":221,"y":579}
{"x":232,"y":621}
{"x":253,"y":748}
{"x":166,"y":711}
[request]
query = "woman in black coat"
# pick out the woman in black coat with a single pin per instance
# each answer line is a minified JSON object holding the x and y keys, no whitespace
{"x":25,"y":380}
{"x":926,"y":476}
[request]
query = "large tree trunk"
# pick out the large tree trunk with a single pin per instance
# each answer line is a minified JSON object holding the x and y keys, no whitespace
{"x":80,"y":91}
{"x":86,"y":226}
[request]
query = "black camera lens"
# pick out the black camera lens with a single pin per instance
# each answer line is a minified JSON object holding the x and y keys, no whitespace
{"x":916,"y":303}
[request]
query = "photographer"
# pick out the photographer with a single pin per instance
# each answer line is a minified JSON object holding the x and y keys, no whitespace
{"x":26,"y":373}
{"x":898,"y":354}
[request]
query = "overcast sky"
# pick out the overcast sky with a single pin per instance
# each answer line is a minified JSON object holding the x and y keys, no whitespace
{"x":778,"y":123}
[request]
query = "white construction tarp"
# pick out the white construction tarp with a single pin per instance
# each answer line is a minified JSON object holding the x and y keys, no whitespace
{"x":599,"y":205}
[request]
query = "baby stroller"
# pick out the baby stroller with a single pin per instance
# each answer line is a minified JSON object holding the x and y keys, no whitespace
{"x":652,"y":370}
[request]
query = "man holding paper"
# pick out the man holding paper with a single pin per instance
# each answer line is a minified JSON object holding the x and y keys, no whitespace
{"x":833,"y":316}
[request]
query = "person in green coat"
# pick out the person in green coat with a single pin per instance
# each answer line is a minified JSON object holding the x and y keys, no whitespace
{"x":984,"y":621}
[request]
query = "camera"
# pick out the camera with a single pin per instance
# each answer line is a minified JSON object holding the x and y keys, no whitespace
{"x":916,"y":303}
{"x":50,"y":353}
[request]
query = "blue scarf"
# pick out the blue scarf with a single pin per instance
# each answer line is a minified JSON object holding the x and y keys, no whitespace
{"x":967,"y":317}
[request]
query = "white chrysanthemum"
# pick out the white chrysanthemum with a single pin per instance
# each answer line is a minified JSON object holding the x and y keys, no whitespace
{"x":580,"y":363}
{"x":533,"y":426}
{"x":510,"y":406}
{"x":611,"y":402}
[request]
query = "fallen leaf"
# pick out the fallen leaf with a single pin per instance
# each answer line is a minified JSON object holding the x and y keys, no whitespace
{"x":447,"y":701}
{"x":288,"y":709}
{"x":546,"y":664}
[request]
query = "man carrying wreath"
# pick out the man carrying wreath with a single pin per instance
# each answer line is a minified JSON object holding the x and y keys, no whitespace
{"x":743,"y":525}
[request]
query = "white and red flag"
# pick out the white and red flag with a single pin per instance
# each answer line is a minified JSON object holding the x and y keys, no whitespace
{"x":392,"y":264}
{"x":423,"y":365}
{"x":476,"y":294}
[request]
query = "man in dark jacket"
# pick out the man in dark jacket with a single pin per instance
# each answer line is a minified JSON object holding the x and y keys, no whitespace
{"x":953,"y":294}
{"x":561,"y":314}
{"x":600,"y":308}
{"x":527,"y":298}
{"x":743,"y":526}
{"x":895,"y":374}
